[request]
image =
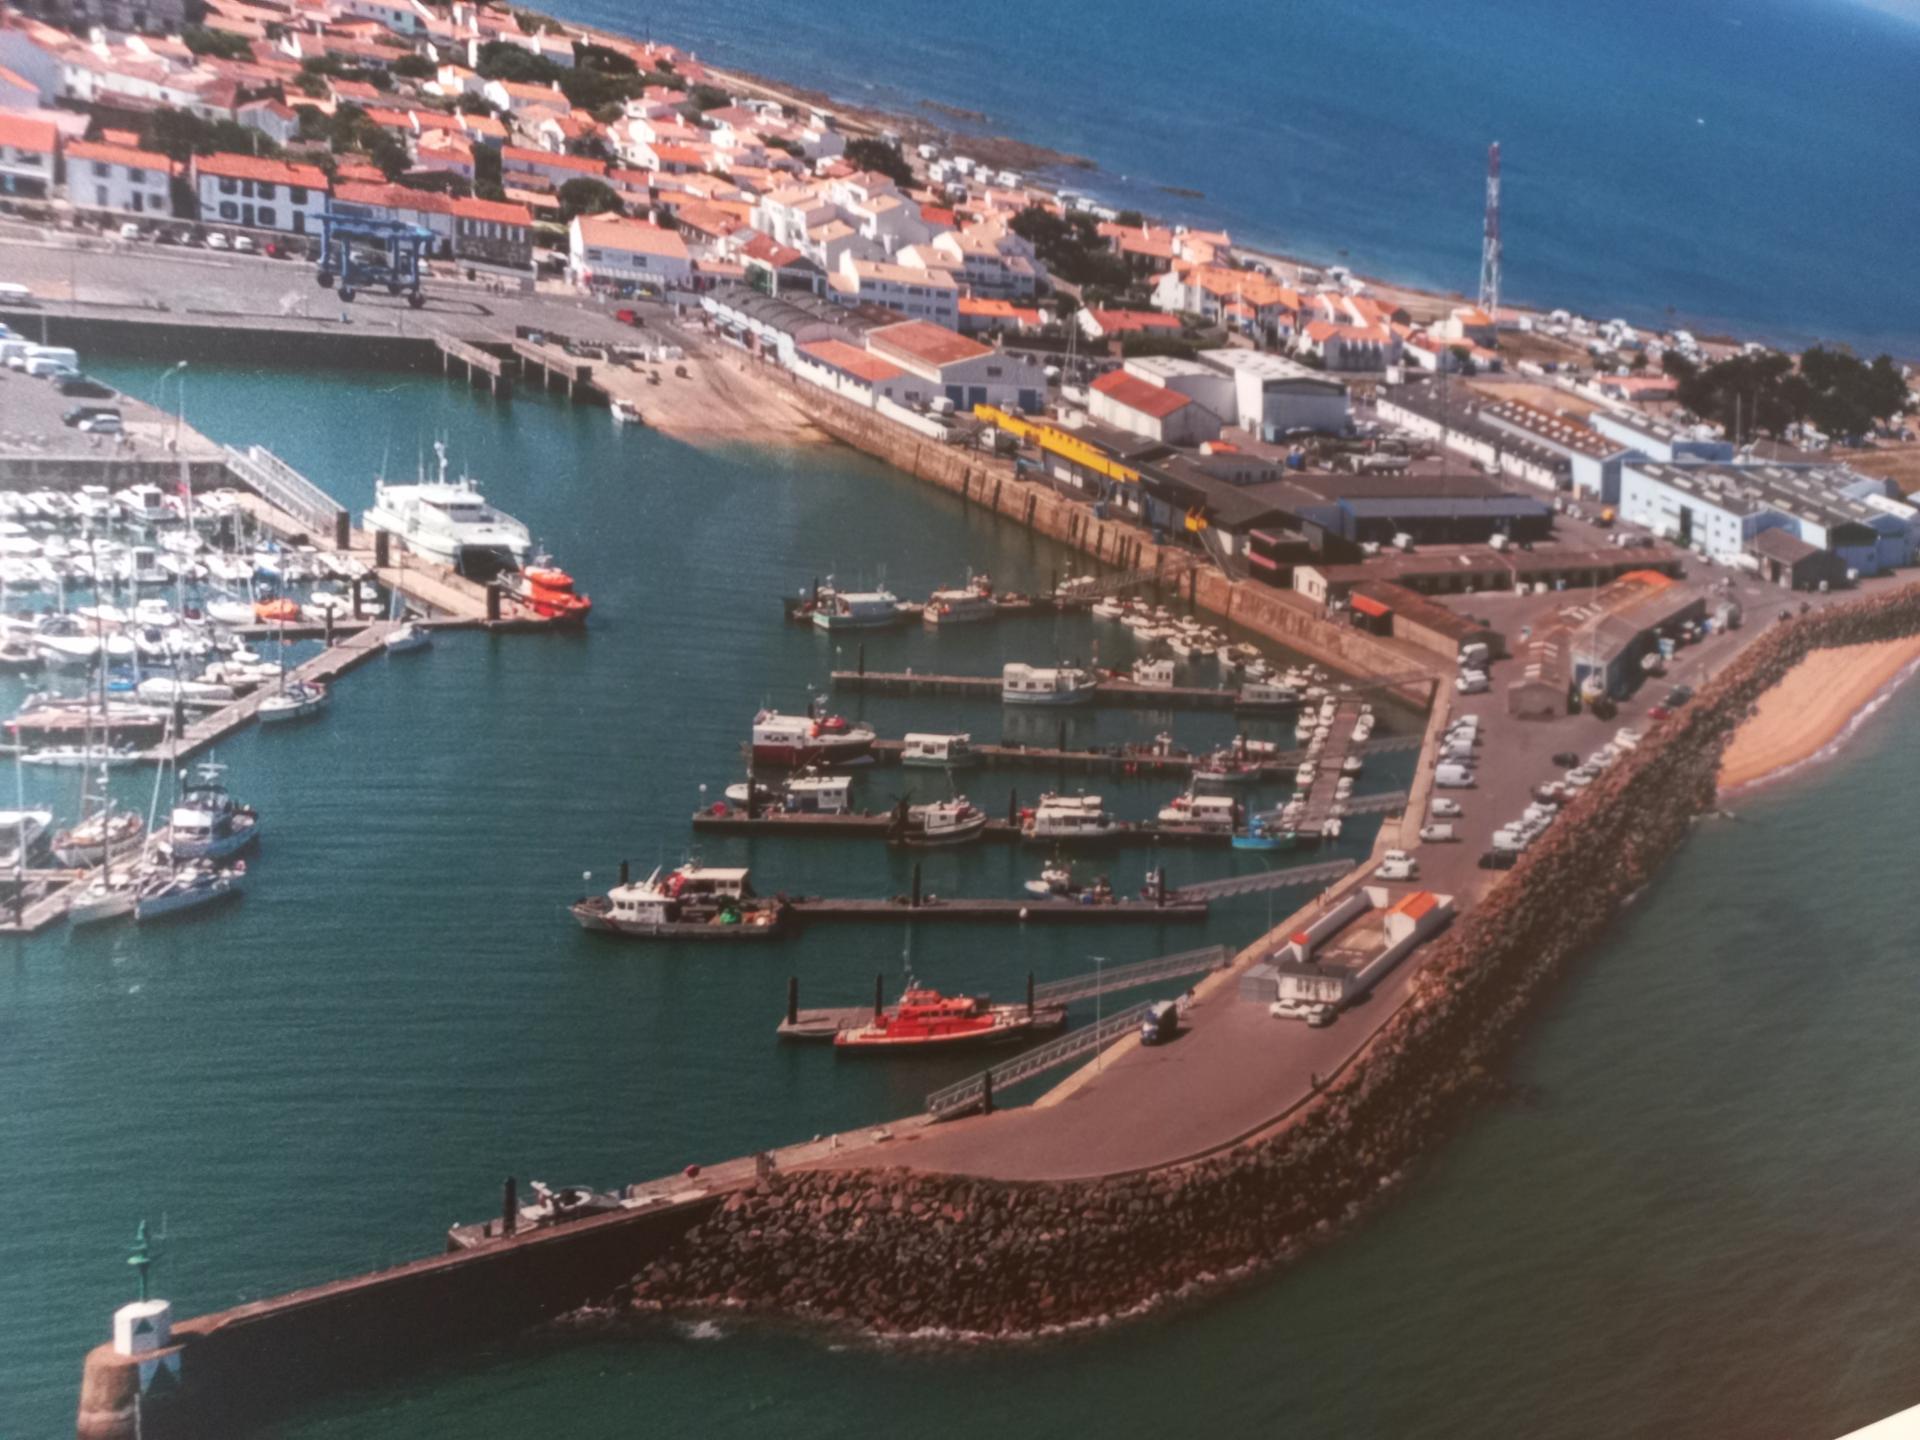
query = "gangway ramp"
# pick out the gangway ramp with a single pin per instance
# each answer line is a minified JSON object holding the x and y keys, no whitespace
{"x":1264,"y":880}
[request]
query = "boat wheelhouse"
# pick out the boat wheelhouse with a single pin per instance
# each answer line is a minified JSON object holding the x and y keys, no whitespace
{"x":924,"y":748}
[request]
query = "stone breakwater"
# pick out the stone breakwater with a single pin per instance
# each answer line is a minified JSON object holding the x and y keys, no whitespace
{"x":895,"y":1252}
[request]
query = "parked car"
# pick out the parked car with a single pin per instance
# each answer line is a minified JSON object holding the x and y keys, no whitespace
{"x":131,"y":231}
{"x":1659,"y":712}
{"x":244,"y":244}
{"x":81,"y":388}
{"x":1679,"y":695}
{"x":105,"y":422}
{"x":1290,"y":1009}
{"x":217,"y":241}
{"x":1453,"y":777}
{"x":1397,"y":865}
{"x":1472,"y":682}
{"x":79,"y":414}
{"x":1498,"y":859}
{"x":1447,"y":809}
{"x":1161,"y":1022}
{"x":1437,"y":834}
{"x":1321,"y":1016}
{"x":1566,"y":759}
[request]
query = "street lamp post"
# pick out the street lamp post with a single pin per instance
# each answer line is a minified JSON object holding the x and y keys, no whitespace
{"x":1099,"y":1007}
{"x":180,"y":398}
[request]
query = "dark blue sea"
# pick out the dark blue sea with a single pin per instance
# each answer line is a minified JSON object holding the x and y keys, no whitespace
{"x":1743,"y":165}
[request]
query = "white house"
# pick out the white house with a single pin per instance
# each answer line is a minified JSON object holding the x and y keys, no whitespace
{"x":117,"y":177}
{"x":260,"y":194}
{"x":606,"y":250}
{"x":917,"y":294}
{"x":1273,"y":395}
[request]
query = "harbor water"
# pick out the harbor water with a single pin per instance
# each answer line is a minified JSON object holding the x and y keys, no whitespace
{"x":1713,"y":166}
{"x":1693,"y":1218}
{"x":321,"y":1076}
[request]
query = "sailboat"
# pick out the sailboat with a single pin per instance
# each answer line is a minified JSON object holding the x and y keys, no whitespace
{"x":182,"y":885}
{"x":409,"y":634}
{"x":107,"y":895}
{"x":292,"y":701}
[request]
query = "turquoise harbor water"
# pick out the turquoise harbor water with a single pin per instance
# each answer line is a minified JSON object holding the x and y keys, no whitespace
{"x":1745,"y":164}
{"x":1698,"y":1221}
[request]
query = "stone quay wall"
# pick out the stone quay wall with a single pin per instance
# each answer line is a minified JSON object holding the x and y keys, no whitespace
{"x":1117,"y":546}
{"x":890,"y":1251}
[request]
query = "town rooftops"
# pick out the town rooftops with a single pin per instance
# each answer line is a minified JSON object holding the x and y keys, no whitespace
{"x":852,"y":360}
{"x":24,"y":132}
{"x":121,"y":155}
{"x":925,"y":343}
{"x":529,"y":159}
{"x":1123,"y":322}
{"x":1552,"y":430}
{"x":253,"y":167}
{"x":1144,"y":396}
{"x":617,"y":232}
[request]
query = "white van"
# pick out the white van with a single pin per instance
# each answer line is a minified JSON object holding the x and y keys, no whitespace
{"x":46,"y":359}
{"x":13,"y":353}
{"x":14,"y":294}
{"x":1453,"y":776}
{"x":1472,"y":682}
{"x":1474,"y":656}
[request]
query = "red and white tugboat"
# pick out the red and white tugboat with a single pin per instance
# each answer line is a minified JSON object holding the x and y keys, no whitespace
{"x":695,"y":902}
{"x":795,"y":740}
{"x":927,"y":1020}
{"x":548,"y":591}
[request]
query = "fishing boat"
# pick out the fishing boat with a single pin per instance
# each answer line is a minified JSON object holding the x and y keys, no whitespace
{"x":207,"y":823}
{"x":625,"y":412}
{"x":18,"y":655}
{"x":1152,"y":674}
{"x":449,"y":521}
{"x":971,"y":602}
{"x":794,"y":740}
{"x":82,"y":846}
{"x":177,"y":889}
{"x":801,"y":795}
{"x":1266,"y":695}
{"x":925,"y":1019}
{"x":1262,"y":833}
{"x":859,"y":610}
{"x":943,"y":822}
{"x":1195,"y":814}
{"x":693,"y":902}
{"x":1056,"y":883}
{"x":1051,"y":685}
{"x":930,"y":750}
{"x":1069,"y":819}
{"x":548,"y":591}
{"x":1225,"y":769}
{"x":295,"y":700}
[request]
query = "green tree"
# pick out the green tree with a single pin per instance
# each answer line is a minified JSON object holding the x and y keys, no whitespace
{"x":223,"y":43}
{"x":1073,"y":250}
{"x":486,"y":173}
{"x":871,"y":154}
{"x":1847,"y":396}
{"x":587,"y":196}
{"x":413,"y":67}
{"x":598,"y":57}
{"x":181,"y":133}
{"x":707,"y":97}
{"x":502,"y":60}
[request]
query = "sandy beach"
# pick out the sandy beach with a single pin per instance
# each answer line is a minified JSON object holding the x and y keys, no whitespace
{"x":1811,"y":708}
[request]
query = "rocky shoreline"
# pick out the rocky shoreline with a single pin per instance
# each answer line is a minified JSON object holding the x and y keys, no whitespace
{"x":892,"y":1252}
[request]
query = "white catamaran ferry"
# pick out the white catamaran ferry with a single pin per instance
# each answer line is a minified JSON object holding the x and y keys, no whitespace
{"x":451,"y":522}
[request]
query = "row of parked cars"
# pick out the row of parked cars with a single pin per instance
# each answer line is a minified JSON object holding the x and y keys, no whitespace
{"x":60,"y":365}
{"x":212,"y":240}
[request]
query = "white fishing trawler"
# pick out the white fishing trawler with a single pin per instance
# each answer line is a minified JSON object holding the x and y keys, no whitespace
{"x":450,"y":521}
{"x":1052,"y":685}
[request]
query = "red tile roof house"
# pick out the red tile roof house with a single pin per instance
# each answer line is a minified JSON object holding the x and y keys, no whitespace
{"x":259,"y":194}
{"x":965,"y":371}
{"x":28,"y":149}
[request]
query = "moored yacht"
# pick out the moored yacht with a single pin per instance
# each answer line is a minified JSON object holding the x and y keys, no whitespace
{"x":1065,"y":819}
{"x":859,"y":610}
{"x":1055,"y":685}
{"x":973,"y":601}
{"x":180,"y":888}
{"x":450,"y":521}
{"x":207,"y":823}
{"x":943,"y":822}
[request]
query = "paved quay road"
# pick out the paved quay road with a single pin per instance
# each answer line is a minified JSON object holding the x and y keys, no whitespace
{"x":100,"y":276}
